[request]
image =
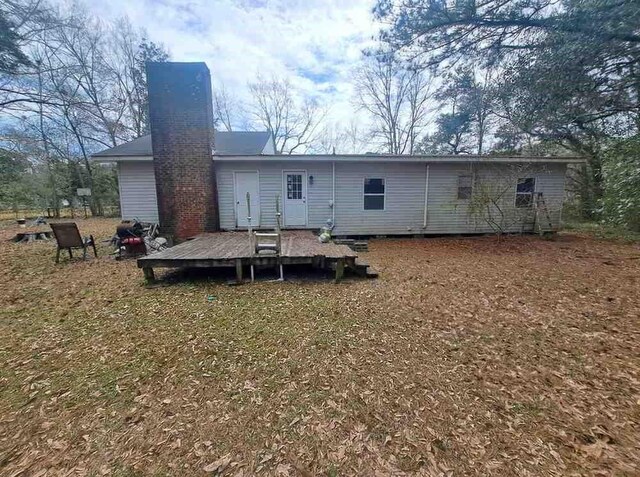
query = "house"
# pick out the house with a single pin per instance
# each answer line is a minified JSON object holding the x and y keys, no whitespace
{"x":136,"y":179}
{"x":192,"y":180}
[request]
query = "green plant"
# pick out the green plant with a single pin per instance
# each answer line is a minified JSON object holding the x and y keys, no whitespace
{"x":620,"y":204}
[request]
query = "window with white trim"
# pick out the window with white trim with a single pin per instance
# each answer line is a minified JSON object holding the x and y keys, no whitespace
{"x":525,"y":189}
{"x":294,"y":186}
{"x":465,"y":186}
{"x":374,"y":194}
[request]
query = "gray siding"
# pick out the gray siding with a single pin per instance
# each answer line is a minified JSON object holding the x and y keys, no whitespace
{"x":270,"y":176}
{"x":404,"y":195}
{"x":138,"y":191}
{"x":404,"y":198}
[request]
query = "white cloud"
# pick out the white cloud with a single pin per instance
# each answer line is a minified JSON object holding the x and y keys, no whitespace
{"x":316,"y":44}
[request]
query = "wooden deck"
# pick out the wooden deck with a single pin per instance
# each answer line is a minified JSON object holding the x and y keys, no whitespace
{"x":232,"y":249}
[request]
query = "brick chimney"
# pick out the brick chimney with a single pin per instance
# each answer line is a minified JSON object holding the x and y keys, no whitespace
{"x":181,"y":120}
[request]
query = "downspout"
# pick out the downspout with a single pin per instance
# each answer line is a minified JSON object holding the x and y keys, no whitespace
{"x":426,"y":198}
{"x":333,"y":193}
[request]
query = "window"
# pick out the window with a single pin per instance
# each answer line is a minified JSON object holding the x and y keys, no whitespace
{"x":294,"y":186}
{"x":524,"y":192}
{"x":465,"y":186}
{"x":374,"y":194}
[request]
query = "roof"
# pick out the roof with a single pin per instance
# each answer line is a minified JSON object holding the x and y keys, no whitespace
{"x":458,"y":158}
{"x":249,"y":145}
{"x":241,"y":142}
{"x":138,"y":147}
{"x":226,"y":142}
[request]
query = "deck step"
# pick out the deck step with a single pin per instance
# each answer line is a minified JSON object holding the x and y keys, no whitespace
{"x":371,"y":273}
{"x":353,"y":244}
{"x":360,"y":246}
{"x":269,"y":246}
{"x":363,"y":269}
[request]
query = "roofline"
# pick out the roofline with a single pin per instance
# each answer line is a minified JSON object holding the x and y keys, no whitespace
{"x":118,"y":158}
{"x":364,"y":158}
{"x":460,"y":158}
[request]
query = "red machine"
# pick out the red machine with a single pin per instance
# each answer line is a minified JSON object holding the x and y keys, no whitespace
{"x":134,"y":238}
{"x":129,"y":239}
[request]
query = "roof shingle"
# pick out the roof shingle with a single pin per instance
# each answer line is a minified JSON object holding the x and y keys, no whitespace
{"x":226,"y":143}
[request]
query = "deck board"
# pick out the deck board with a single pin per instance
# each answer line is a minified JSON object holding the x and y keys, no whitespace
{"x":223,"y":248}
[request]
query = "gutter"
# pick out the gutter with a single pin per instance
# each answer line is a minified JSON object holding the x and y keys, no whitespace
{"x":464,"y":159}
{"x":426,"y":198}
{"x":333,"y":193}
{"x":97,"y":158}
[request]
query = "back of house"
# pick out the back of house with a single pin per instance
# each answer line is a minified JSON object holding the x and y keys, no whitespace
{"x":352,"y":194}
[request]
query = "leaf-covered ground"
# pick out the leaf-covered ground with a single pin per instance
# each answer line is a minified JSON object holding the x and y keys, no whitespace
{"x":468,"y":356}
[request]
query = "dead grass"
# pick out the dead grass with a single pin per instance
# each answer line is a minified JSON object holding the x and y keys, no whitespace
{"x":467,"y":356}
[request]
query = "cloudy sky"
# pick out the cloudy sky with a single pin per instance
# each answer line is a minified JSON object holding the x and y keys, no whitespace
{"x":317,"y":44}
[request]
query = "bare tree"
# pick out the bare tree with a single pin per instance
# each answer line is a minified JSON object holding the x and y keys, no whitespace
{"x":23,"y":24}
{"x":129,"y":50}
{"x":495,"y":203}
{"x":276,"y":107}
{"x":225,"y":107}
{"x":84,"y":89}
{"x":397,"y":99}
{"x":339,"y":139}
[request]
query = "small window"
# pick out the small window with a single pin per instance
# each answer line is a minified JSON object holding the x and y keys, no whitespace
{"x":465,"y":187}
{"x":294,"y":186}
{"x":374,"y":194}
{"x":524,"y":192}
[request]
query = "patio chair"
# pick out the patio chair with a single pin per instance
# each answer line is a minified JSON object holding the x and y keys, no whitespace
{"x":68,"y":237}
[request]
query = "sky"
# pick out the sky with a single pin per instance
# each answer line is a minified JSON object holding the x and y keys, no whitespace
{"x":316,"y":44}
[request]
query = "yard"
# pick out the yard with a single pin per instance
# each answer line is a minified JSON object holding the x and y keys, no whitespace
{"x":468,"y":356}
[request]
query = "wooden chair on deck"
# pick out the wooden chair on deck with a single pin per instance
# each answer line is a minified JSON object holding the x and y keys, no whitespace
{"x":68,"y":237}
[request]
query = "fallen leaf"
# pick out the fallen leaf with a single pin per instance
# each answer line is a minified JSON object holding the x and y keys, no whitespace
{"x":219,"y":465}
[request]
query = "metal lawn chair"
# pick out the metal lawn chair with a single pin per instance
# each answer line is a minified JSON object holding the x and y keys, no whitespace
{"x":68,"y":237}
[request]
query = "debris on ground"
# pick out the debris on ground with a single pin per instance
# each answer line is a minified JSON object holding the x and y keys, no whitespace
{"x":468,"y":356}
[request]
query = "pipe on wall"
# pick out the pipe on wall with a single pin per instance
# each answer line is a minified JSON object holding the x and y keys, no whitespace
{"x":333,"y":193}
{"x":426,"y":198}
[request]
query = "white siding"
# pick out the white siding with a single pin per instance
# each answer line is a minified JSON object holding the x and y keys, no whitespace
{"x":269,"y":147}
{"x":404,"y":195}
{"x":137,"y":184}
{"x":404,"y":198}
{"x":270,"y":176}
{"x":447,"y":214}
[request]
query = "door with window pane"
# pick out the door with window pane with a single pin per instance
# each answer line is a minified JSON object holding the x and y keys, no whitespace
{"x":295,"y":198}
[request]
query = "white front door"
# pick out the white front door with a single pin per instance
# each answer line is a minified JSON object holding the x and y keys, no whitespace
{"x":247,"y":181}
{"x":295,"y":198}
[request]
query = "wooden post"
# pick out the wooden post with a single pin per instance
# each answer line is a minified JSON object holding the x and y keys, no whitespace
{"x":148,"y":274}
{"x":252,"y":244}
{"x":339,"y":269}
{"x":239,"y":270}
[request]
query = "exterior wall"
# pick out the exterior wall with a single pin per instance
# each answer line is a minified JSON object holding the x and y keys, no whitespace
{"x":405,"y":186}
{"x":181,"y":118}
{"x":137,"y":186}
{"x":269,"y":147}
{"x":404,"y":198}
{"x":270,"y":174}
{"x":404,"y":195}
